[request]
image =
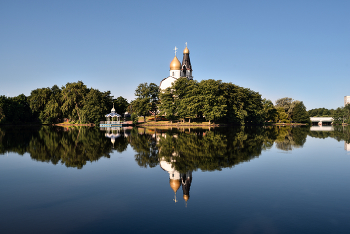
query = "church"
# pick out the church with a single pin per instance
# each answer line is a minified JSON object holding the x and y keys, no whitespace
{"x":178,"y":69}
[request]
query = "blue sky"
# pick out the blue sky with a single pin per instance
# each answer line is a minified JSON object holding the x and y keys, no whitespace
{"x":297,"y":49}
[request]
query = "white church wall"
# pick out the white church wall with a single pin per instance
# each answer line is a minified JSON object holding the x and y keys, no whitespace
{"x":167,"y":82}
{"x":175,"y":73}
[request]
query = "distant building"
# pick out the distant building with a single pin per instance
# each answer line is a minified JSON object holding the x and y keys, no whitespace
{"x":346,"y":100}
{"x":178,"y":70}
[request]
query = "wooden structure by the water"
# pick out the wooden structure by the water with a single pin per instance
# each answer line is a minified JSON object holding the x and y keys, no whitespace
{"x":112,"y":124}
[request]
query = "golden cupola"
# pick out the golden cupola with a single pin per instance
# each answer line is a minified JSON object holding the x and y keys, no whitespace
{"x":186,"y":197}
{"x":186,"y":51}
{"x":174,"y":184}
{"x":175,"y":64}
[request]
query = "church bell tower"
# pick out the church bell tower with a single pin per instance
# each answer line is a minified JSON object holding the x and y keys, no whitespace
{"x":186,"y":68}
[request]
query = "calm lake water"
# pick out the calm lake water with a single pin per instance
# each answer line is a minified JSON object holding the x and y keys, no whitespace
{"x":222,"y":180}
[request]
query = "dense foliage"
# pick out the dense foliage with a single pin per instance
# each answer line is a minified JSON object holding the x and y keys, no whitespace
{"x":147,"y":99}
{"x":321,"y":112}
{"x":15,"y":110}
{"x":74,"y":102}
{"x":213,"y":100}
{"x":342,"y":115}
{"x":300,"y":114}
{"x":289,"y":111}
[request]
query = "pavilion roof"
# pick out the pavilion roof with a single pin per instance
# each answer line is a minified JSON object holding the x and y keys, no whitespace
{"x":113,"y":115}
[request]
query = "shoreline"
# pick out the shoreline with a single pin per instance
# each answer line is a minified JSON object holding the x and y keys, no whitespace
{"x":217,"y":125}
{"x":65,"y":125}
{"x":153,"y":124}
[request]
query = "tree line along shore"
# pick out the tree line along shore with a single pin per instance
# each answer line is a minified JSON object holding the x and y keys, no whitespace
{"x":208,"y":102}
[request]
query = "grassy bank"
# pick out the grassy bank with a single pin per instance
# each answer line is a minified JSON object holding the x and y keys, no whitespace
{"x":196,"y":123}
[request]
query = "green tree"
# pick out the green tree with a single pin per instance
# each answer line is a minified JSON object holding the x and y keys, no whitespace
{"x":338,"y":115}
{"x":243,"y":105}
{"x":187,"y":98}
{"x":22,"y":106}
{"x":211,"y":99}
{"x":52,"y":111}
{"x":120,"y":105}
{"x":38,"y":101}
{"x":346,"y":113}
{"x":320,"y":112}
{"x":235,"y":102}
{"x":73,"y":99}
{"x":253,"y":106}
{"x":269,"y":112}
{"x":287,"y":104}
{"x":15,"y":109}
{"x":45,"y":104}
{"x":167,"y":105}
{"x":154,"y":98}
{"x":147,"y":99}
{"x":95,"y":106}
{"x":300,"y":114}
{"x":281,"y":116}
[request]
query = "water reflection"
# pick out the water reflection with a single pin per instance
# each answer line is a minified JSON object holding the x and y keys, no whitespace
{"x":204,"y":149}
{"x":72,"y":147}
{"x":177,"y":179}
{"x":340,"y":133}
{"x":289,"y":138}
{"x":179,"y":152}
{"x":117,"y":134}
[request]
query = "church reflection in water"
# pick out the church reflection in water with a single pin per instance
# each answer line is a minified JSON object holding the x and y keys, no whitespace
{"x":177,"y":179}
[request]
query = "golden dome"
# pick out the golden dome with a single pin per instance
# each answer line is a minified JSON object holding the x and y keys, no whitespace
{"x":186,"y":51}
{"x":174,"y":184}
{"x":175,"y":64}
{"x":186,"y":197}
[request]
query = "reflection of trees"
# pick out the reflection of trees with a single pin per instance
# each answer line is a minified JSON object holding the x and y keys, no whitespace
{"x":145,"y":147}
{"x":73,"y":148}
{"x":340,"y":133}
{"x":321,"y":134}
{"x":187,"y":150}
{"x":52,"y":144}
{"x":16,"y":139}
{"x":120,"y":144}
{"x":214,"y":150}
{"x":291,"y":137}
